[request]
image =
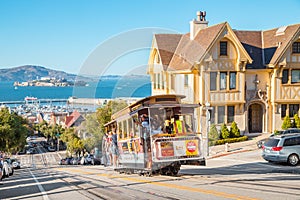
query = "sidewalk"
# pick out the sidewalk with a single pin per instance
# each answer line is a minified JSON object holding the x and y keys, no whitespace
{"x":249,"y":145}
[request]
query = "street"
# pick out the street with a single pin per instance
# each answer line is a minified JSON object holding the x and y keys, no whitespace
{"x":237,"y":176}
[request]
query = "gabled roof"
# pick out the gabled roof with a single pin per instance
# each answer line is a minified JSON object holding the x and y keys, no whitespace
{"x":280,"y":42}
{"x":166,"y":45}
{"x":252,"y":42}
{"x":70,"y":120}
{"x":267,"y":47}
{"x":190,"y":51}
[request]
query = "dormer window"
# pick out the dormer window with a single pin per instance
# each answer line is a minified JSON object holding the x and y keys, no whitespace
{"x":296,"y":47}
{"x":223,"y":48}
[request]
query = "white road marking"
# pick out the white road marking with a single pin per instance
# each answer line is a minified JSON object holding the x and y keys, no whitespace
{"x":257,"y":162}
{"x":42,"y":190}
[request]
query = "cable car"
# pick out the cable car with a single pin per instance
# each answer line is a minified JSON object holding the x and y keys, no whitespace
{"x":156,"y":135}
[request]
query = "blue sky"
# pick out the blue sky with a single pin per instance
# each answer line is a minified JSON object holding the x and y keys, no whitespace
{"x":80,"y":36}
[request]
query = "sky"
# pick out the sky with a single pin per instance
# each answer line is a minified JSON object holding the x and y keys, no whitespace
{"x":114,"y":37}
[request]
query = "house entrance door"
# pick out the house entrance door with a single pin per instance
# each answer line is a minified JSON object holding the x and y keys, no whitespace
{"x":255,"y":118}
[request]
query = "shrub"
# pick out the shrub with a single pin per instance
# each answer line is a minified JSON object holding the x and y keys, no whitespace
{"x":213,"y":133}
{"x":234,"y":130}
{"x":297,"y":121}
{"x":231,"y":140}
{"x":225,"y":132}
{"x":286,"y":123}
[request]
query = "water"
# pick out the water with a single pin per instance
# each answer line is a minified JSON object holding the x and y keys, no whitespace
{"x":106,"y":88}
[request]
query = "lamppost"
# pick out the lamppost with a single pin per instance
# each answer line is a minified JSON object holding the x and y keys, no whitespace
{"x":206,"y":144}
{"x":57,"y":136}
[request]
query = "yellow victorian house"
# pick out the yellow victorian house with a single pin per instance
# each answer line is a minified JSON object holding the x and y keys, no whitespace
{"x":250,"y":77}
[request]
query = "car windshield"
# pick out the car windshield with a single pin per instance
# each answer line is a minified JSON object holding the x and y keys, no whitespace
{"x":271,"y":142}
{"x":295,"y":131}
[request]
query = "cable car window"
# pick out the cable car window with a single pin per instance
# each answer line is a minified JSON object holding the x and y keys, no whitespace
{"x":135,"y":122}
{"x":124,"y":123}
{"x":130,"y":128}
{"x":188,"y":119}
{"x":120,"y":130}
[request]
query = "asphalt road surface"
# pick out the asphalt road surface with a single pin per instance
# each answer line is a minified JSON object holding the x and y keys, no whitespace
{"x":237,"y":176}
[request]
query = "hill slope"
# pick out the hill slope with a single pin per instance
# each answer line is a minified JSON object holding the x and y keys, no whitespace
{"x":31,"y":72}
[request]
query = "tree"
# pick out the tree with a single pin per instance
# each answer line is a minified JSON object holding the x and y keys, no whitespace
{"x":42,"y":128}
{"x":92,"y":126}
{"x":234,"y":130}
{"x":297,"y":121}
{"x":104,"y":113}
{"x":74,"y":143}
{"x":286,"y":123}
{"x":13,"y":131}
{"x":225,"y":132}
{"x":213,"y":133}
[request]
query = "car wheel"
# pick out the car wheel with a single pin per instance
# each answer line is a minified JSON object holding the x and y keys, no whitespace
{"x":293,"y":160}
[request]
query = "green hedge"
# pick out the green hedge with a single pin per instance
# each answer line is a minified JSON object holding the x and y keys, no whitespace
{"x":228,"y":140}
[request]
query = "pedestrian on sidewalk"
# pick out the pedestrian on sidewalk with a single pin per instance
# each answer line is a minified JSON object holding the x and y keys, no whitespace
{"x":1,"y":169}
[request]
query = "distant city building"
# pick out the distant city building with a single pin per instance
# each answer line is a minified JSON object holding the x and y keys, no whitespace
{"x":250,"y":77}
{"x":74,"y":119}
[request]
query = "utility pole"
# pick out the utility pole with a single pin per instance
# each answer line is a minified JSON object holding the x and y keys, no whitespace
{"x":207,"y":108}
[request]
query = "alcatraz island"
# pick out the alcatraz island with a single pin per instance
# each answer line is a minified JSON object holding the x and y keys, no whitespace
{"x":50,"y":82}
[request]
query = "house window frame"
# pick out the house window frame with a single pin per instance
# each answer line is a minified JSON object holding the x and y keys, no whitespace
{"x":221,"y":116}
{"x":186,"y":80}
{"x":223,"y":48}
{"x":292,"y":110}
{"x":230,"y":118}
{"x":285,"y":76}
{"x":283,"y":110}
{"x":223,"y":81}
{"x":296,"y":47}
{"x":293,"y":76}
{"x":232,"y":84}
{"x":224,"y":114}
{"x":211,"y":80}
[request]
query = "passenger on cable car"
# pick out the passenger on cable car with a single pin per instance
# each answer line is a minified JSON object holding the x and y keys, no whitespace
{"x":147,"y":145}
{"x":179,"y":126}
{"x":168,"y":126}
{"x":114,"y":148}
{"x":145,"y":121}
{"x":156,"y":125}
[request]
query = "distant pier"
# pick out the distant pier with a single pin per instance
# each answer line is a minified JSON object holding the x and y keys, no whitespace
{"x":35,"y":101}
{"x":99,"y":101}
{"x":72,"y":100}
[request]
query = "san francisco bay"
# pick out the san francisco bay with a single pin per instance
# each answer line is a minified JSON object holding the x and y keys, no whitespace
{"x":105,"y":88}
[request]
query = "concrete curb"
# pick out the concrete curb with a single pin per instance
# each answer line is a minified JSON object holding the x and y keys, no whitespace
{"x":229,"y":153}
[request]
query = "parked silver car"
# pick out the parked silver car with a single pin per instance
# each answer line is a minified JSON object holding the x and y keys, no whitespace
{"x":260,"y":143}
{"x":282,"y":148}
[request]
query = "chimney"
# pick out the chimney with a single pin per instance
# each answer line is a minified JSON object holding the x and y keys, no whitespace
{"x":197,"y":25}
